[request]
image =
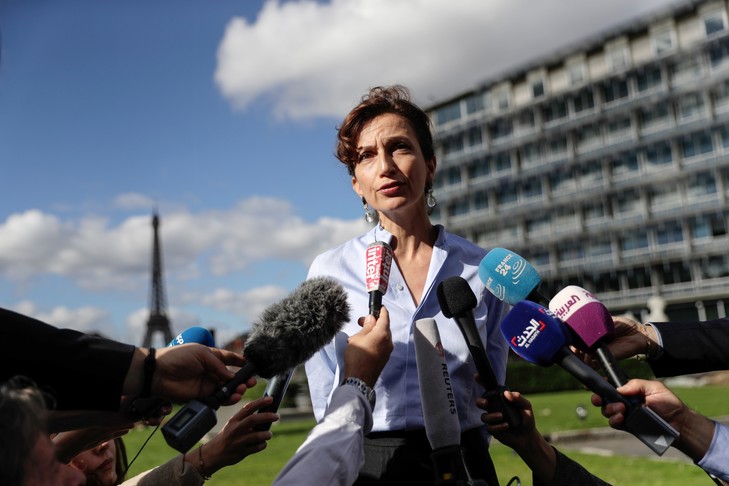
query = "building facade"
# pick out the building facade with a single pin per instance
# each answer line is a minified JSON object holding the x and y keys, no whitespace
{"x":605,"y":165}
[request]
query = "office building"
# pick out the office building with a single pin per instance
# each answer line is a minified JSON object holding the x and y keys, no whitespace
{"x":606,"y":164}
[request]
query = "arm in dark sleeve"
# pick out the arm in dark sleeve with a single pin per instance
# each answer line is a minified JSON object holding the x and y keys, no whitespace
{"x":692,"y":347}
{"x":82,"y":372}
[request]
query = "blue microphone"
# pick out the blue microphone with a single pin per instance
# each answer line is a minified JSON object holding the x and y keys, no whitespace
{"x":195,"y":334}
{"x":510,"y":277}
{"x":540,"y":337}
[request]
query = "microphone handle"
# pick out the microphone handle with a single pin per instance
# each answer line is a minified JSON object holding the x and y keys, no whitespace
{"x":241,"y":376}
{"x":615,"y":373}
{"x":375,"y":303}
{"x":589,"y":377}
{"x":537,"y":297}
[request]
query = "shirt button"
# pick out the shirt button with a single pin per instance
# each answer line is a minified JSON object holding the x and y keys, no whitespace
{"x":399,"y":287}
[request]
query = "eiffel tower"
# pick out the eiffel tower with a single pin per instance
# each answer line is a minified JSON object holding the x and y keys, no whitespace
{"x":158,"y":320}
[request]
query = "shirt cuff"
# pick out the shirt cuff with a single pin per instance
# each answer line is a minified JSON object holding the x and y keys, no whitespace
{"x":714,"y":461}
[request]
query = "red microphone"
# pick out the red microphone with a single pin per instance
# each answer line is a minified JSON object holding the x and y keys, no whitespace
{"x":377,"y":273}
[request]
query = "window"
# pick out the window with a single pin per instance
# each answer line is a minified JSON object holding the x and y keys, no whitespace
{"x":525,"y":121}
{"x":452,"y":146}
{"x":503,"y":161}
{"x":480,"y":200}
{"x":708,"y":226}
{"x":716,"y":266}
{"x":474,"y":103}
{"x":714,"y":22}
{"x":654,"y":117}
{"x":675,"y":272}
{"x":719,"y":53}
{"x":669,"y":232}
{"x":532,"y":188}
{"x":557,"y":147}
{"x":501,"y":100}
{"x":594,"y":212}
{"x":617,"y":57}
{"x":459,"y":207}
{"x":538,"y":88}
{"x":658,"y":154}
{"x":473,"y":136}
{"x":599,"y":247}
{"x":619,"y":129}
{"x":452,"y":175}
{"x":590,"y":137}
{"x":500,"y":129}
{"x":701,"y":185}
{"x":591,"y":173}
{"x":648,"y":78}
{"x":665,"y":197}
{"x":507,"y":194}
{"x":448,"y":113}
{"x":638,"y":278}
{"x":687,"y":70}
{"x":615,"y":90}
{"x":635,"y":240}
{"x":626,"y":165}
{"x":570,"y":251}
{"x":627,"y":202}
{"x":479,"y":168}
{"x":663,"y":41}
{"x":576,"y":72}
{"x":555,"y":110}
{"x":532,"y":153}
{"x":584,"y":101}
{"x":696,"y":144}
{"x":690,"y":105}
{"x":562,"y":181}
{"x":724,"y":135}
{"x":720,"y":94}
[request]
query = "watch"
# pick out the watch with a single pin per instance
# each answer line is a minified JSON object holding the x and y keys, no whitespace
{"x":360,"y":385}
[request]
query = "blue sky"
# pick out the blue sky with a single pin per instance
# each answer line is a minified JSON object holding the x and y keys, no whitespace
{"x":222,"y":115}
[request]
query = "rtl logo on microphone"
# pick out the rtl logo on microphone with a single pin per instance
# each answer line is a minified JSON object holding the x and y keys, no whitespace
{"x":378,"y":260}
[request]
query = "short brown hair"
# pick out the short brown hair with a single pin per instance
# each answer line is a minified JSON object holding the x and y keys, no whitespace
{"x":379,"y":101}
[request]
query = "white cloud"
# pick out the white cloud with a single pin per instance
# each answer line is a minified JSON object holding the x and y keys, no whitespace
{"x":131,"y":201}
{"x":314,"y":59}
{"x":85,"y":319}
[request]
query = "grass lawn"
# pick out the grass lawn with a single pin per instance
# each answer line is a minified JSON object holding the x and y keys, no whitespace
{"x":555,"y":412}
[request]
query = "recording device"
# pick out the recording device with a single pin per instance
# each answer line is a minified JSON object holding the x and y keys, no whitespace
{"x":538,"y":336}
{"x":592,"y":327}
{"x":510,"y":277}
{"x":378,"y":259}
{"x":288,"y":333}
{"x":457,"y":301}
{"x":439,"y":406}
{"x":276,"y":388}
{"x":195,"y":334}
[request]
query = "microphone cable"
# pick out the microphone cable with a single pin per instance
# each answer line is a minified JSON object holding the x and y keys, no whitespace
{"x":129,"y":464}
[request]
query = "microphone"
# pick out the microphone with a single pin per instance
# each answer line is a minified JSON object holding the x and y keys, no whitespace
{"x":195,"y":334}
{"x":378,"y":258}
{"x":288,"y":333}
{"x":592,"y":326}
{"x":275,"y":388}
{"x":457,"y":301}
{"x":510,"y":277}
{"x":538,"y":336}
{"x":439,"y":406}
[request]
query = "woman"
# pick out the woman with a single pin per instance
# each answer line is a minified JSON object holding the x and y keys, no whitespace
{"x":386,"y":144}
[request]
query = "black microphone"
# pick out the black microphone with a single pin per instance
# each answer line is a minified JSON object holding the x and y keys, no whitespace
{"x":440,"y":414}
{"x":378,"y":258}
{"x":288,"y":333}
{"x":457,"y":301}
{"x":538,"y":336}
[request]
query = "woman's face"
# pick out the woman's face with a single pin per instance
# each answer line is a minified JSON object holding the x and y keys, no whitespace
{"x":99,"y":462}
{"x":391,"y":171}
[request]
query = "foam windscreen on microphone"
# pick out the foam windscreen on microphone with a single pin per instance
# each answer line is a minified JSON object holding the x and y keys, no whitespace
{"x":195,"y":334}
{"x":534,"y":333}
{"x":585,"y":315}
{"x":290,"y":331}
{"x":456,"y":297}
{"x":436,"y":394}
{"x":508,"y":276}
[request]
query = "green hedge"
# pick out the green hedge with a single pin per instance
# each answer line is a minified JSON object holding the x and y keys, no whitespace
{"x":527,"y":378}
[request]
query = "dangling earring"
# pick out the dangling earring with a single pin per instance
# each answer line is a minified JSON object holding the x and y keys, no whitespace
{"x":369,"y":213}
{"x":430,"y":198}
